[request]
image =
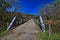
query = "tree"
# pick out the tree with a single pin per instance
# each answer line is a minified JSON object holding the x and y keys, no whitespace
{"x":57,"y":8}
{"x":52,"y":11}
{"x":3,"y":6}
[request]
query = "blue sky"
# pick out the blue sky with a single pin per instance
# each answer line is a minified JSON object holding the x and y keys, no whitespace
{"x":31,"y":6}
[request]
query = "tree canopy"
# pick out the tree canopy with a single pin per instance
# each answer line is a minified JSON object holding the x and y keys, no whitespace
{"x":52,"y":11}
{"x":3,"y":6}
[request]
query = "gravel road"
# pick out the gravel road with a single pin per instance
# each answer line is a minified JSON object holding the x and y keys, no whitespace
{"x":25,"y":31}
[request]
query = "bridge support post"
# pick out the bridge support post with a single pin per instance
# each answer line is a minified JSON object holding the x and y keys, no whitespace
{"x":9,"y":26}
{"x":42,"y":24}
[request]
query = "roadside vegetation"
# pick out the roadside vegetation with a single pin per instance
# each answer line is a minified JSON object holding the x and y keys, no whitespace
{"x":45,"y":36}
{"x":51,"y":12}
{"x":6,"y":17}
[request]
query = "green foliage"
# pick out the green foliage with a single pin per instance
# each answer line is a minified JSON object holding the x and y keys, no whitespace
{"x":2,"y":29}
{"x":55,"y":27}
{"x":6,"y":18}
{"x":3,"y":6}
{"x":44,"y":36}
{"x":52,"y":11}
{"x":57,"y":2}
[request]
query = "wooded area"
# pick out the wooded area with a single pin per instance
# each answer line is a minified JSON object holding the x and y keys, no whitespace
{"x":51,"y":12}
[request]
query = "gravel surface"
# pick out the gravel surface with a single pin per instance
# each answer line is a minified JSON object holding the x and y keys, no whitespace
{"x":25,"y":31}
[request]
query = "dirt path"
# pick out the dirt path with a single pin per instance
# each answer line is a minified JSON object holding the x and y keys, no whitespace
{"x":23,"y":32}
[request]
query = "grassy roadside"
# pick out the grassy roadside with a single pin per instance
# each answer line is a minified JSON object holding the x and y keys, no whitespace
{"x":41,"y":36}
{"x":4,"y":33}
{"x":44,"y":36}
